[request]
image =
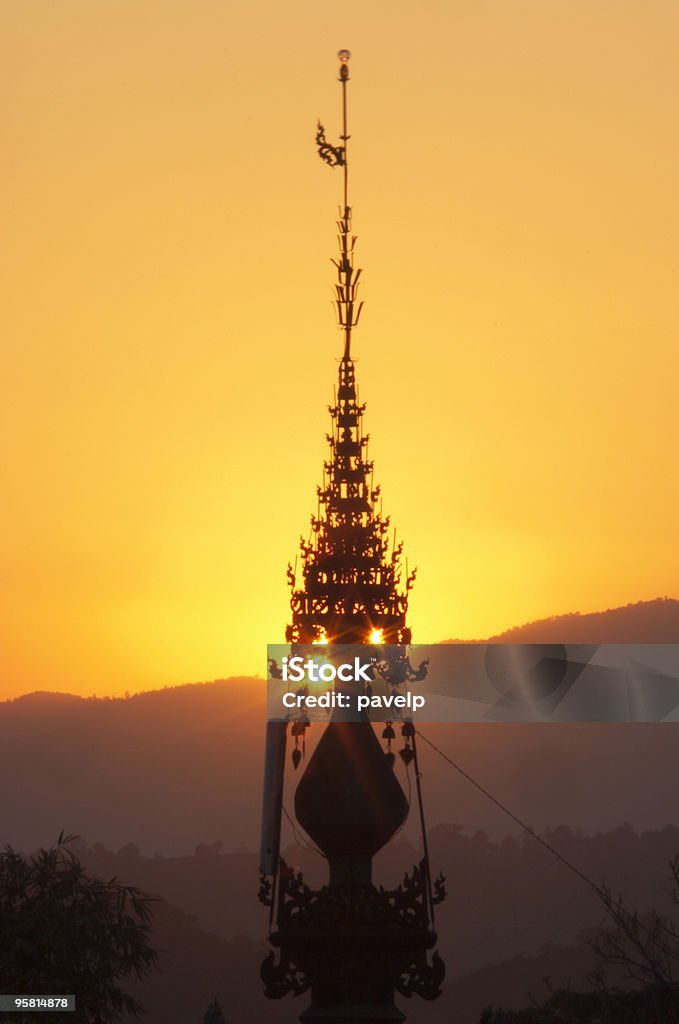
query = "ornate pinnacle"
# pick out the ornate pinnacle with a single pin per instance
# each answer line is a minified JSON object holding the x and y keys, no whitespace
{"x":352,"y":589}
{"x":347,"y":307}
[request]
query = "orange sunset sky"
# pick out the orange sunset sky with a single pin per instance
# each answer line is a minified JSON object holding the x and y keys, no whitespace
{"x":169,"y":348}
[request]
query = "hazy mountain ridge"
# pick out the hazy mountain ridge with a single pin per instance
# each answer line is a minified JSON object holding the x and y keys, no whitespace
{"x":498,"y":939}
{"x":641,"y":622}
{"x":654,"y":621}
{"x":196,"y":965}
{"x":51,"y":698}
{"x":179,"y":769}
{"x":170,"y":768}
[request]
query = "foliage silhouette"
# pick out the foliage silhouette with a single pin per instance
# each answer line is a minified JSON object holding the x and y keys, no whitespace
{"x":644,"y":947}
{"x":641,"y":950}
{"x":65,"y":932}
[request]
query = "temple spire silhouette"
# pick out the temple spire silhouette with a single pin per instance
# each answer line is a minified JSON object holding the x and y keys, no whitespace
{"x":352,"y":588}
{"x":351,"y":943}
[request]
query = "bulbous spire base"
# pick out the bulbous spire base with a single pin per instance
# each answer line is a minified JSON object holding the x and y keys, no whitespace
{"x":349,"y":801}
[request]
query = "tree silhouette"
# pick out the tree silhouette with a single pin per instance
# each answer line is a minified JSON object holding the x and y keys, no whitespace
{"x":64,"y":932}
{"x":214,"y":1013}
{"x":644,"y":947}
{"x":642,"y":950}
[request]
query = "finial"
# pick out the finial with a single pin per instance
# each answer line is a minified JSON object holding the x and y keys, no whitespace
{"x":336,"y":156}
{"x":348,"y":308}
{"x":344,"y":58}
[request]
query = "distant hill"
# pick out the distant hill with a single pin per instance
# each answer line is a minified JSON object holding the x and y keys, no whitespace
{"x":165,"y":769}
{"x":498,"y":940}
{"x":646,"y":622}
{"x":513,"y":982}
{"x":196,"y":966}
{"x":168,"y":769}
{"x":165,"y":786}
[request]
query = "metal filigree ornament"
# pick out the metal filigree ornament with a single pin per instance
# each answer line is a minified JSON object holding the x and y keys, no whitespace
{"x":332,"y":155}
{"x":373,"y":926}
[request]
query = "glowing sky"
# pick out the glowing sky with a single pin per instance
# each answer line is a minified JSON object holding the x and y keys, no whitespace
{"x":169,"y":348}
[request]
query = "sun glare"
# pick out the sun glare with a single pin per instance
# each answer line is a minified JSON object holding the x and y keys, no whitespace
{"x":377,"y":636}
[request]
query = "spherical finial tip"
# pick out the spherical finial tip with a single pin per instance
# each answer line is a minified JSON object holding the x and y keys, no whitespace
{"x":344,"y":56}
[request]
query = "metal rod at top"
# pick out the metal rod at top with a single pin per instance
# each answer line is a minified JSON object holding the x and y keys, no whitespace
{"x":347,"y":306}
{"x":344,"y":56}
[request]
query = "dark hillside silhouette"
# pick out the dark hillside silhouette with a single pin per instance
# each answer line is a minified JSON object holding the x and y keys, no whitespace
{"x":165,"y":788}
{"x":505,"y":898}
{"x":644,"y":622}
{"x":171,"y":768}
{"x":195,"y":965}
{"x":165,"y":769}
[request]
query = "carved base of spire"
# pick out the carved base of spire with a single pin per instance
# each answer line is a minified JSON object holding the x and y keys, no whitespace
{"x":354,"y":946}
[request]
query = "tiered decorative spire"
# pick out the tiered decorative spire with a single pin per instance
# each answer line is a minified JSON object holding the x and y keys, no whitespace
{"x":351,"y":574}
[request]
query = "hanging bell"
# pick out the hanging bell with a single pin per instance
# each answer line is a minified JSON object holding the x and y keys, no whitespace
{"x":408,"y":729}
{"x":407,"y":755}
{"x":296,"y":758}
{"x":388,"y":733}
{"x":298,"y":728}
